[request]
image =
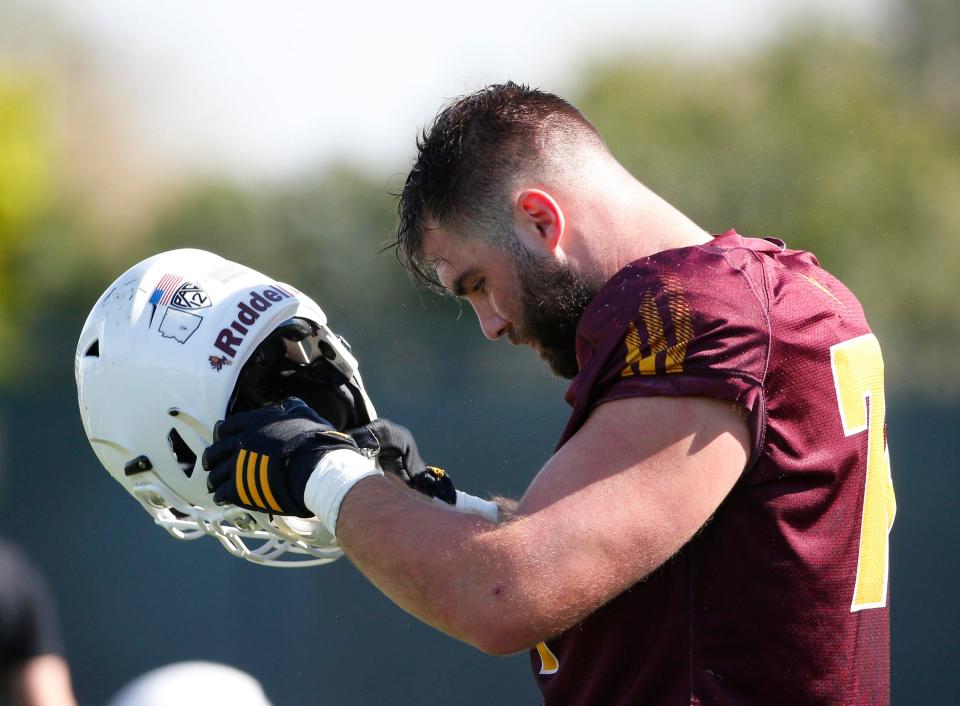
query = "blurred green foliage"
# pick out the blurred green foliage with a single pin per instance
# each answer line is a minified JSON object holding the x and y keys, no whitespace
{"x":47,"y":265}
{"x":26,"y":184}
{"x":321,"y":233}
{"x":826,"y":142}
{"x":819,"y":142}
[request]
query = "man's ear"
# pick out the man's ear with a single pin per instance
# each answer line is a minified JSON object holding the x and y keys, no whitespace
{"x":540,"y":220}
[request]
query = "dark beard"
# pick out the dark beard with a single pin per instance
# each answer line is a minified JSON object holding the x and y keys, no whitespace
{"x":554,"y":299}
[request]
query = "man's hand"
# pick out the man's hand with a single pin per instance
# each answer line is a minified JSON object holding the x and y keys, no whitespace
{"x":262,"y":459}
{"x":396,"y":450}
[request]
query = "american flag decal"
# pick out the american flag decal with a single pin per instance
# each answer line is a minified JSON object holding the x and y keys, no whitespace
{"x":166,"y":288}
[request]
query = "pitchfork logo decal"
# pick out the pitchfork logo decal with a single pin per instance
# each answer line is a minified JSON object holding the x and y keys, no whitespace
{"x":217,"y":362}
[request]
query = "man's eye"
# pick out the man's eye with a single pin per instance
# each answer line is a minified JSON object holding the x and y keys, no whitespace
{"x":478,"y":285}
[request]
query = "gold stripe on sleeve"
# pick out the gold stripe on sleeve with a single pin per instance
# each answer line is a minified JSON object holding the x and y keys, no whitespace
{"x":633,"y":344}
{"x":682,"y":324}
{"x":656,"y":336}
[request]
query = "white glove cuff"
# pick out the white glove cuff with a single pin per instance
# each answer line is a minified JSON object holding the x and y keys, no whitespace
{"x":477,"y":506}
{"x":331,"y":480}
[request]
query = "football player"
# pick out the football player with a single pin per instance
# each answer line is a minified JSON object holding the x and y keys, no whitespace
{"x":713,"y":526}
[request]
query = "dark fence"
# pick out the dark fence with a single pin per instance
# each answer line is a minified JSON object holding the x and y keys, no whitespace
{"x":132,"y":598}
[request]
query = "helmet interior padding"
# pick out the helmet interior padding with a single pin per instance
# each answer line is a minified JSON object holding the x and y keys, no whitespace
{"x":271,"y":375}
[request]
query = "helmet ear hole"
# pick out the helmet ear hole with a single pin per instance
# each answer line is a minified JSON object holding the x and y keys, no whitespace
{"x":182,"y":453}
{"x":93,"y":351}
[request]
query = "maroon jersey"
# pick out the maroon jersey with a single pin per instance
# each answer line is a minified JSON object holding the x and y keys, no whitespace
{"x":782,"y":597}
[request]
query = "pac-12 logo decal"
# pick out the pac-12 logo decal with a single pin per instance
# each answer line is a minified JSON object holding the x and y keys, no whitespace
{"x":190,"y":297}
{"x":177,"y":300}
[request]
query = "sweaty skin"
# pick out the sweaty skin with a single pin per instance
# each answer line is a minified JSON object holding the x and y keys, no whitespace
{"x":606,"y":510}
{"x":628,"y":490}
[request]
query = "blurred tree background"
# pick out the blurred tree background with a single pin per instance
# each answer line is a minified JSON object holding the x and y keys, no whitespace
{"x":835,"y":144}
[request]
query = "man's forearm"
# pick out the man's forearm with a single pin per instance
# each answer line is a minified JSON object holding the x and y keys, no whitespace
{"x":452,"y":570}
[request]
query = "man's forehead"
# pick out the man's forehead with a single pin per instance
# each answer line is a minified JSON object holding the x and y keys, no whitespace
{"x":438,"y":251}
{"x":434,"y":241}
{"x":455,"y":258}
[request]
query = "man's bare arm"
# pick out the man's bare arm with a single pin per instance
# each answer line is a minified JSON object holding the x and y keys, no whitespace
{"x":623,"y":495}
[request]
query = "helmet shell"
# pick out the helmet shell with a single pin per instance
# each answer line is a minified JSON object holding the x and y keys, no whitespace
{"x":156,"y":365}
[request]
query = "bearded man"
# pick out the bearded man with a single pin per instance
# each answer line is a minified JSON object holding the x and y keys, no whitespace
{"x":712,"y":528}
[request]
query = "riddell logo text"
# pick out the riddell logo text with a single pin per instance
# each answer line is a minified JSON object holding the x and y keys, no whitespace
{"x":248,"y":311}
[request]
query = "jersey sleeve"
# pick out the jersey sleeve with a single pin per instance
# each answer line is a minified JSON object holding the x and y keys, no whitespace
{"x":688,"y":322}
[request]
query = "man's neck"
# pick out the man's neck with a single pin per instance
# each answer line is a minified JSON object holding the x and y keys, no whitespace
{"x":635,"y":225}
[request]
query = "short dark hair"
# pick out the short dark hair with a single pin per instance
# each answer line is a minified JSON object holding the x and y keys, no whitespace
{"x":466,"y":158}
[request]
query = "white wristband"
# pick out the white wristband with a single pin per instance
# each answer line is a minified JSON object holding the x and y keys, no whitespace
{"x":477,"y":506}
{"x":331,"y":480}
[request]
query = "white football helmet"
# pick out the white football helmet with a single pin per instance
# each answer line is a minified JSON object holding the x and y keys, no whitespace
{"x":180,"y":341}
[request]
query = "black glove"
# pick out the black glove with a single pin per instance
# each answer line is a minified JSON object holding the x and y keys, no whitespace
{"x":396,"y":450}
{"x":263,"y":458}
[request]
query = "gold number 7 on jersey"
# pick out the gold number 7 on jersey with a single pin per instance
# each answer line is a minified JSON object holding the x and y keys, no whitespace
{"x":858,"y":377}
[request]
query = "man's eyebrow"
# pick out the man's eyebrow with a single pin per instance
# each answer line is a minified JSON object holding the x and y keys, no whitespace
{"x":458,"y":287}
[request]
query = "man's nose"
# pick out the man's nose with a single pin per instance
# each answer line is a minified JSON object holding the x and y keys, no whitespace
{"x":492,"y":324}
